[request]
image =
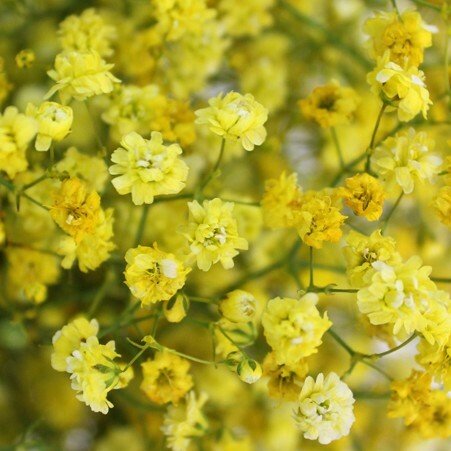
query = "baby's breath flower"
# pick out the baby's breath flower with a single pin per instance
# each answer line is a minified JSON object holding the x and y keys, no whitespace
{"x":25,"y":59}
{"x":324,"y":410}
{"x":54,"y":123}
{"x":147,"y":168}
{"x":212,"y":234}
{"x":405,"y":37}
{"x":176,"y":308}
{"x":330,"y":105}
{"x":80,"y":75}
{"x":294,"y":327}
{"x":403,"y":89}
{"x":153,"y":275}
{"x":238,"y":306}
{"x":442,"y":205}
{"x":236,"y":117}
{"x":16,"y":132}
{"x":285,"y":381}
{"x":166,"y":378}
{"x":184,"y":422}
{"x":86,"y":32}
{"x":405,"y":159}
{"x":362,"y":251}
{"x":364,"y":195}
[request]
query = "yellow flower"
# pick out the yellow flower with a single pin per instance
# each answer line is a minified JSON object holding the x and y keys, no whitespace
{"x":282,"y":196}
{"x":403,"y":89}
{"x":362,"y":251}
{"x":405,"y":37}
{"x":80,"y":75}
{"x":330,"y":105}
{"x":153,"y":275}
{"x":184,"y":422}
{"x":166,"y":378}
{"x":147,"y":168}
{"x":86,"y":32}
{"x":212,"y":234}
{"x":29,"y":273}
{"x":442,"y":205}
{"x":238,"y":306}
{"x":54,"y":123}
{"x":400,"y":295}
{"x":176,"y":308}
{"x":16,"y":132}
{"x":364,"y":195}
{"x":317,"y":219}
{"x":404,"y":159}
{"x":25,"y":58}
{"x":285,"y":381}
{"x":236,"y":117}
{"x":90,"y":168}
{"x":249,"y":371}
{"x":75,"y":209}
{"x":324,"y":410}
{"x":246,"y":18}
{"x":94,"y":373}
{"x":294,"y":327}
{"x":68,"y":339}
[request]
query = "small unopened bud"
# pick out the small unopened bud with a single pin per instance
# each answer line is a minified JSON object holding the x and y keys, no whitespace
{"x":238,"y":306}
{"x":249,"y":371}
{"x":176,"y":308}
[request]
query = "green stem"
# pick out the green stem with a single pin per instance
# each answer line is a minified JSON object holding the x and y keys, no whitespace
{"x":370,"y":395}
{"x":392,"y":350}
{"x":376,"y":368}
{"x":337,"y":147}
{"x":137,"y":356}
{"x":239,"y":202}
{"x":35,"y":182}
{"x":373,"y":138}
{"x":100,"y":295}
{"x":10,"y":186}
{"x":186,"y":356}
{"x":395,"y":7}
{"x":34,"y":201}
{"x":390,"y":214}
{"x":341,"y":342}
{"x":427,"y":4}
{"x":215,"y":167}
{"x":141,"y":225}
{"x":173,"y":198}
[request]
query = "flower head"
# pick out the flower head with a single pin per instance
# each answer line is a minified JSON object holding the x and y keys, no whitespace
{"x":153,"y":275}
{"x":147,"y":168}
{"x":405,"y":159}
{"x":238,"y":306}
{"x":236,"y":117}
{"x":330,"y":105}
{"x":166,"y":378}
{"x":212,"y":233}
{"x":54,"y":123}
{"x":324,"y":409}
{"x":294,"y":327}
{"x":364,"y":195}
{"x":442,"y":205}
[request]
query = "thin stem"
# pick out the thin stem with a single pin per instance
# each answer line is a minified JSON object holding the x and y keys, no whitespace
{"x":194,"y":359}
{"x":101,"y":293}
{"x":141,"y":225}
{"x":10,"y":186}
{"x":376,"y":368}
{"x":202,"y":300}
{"x":390,"y":214}
{"x":337,"y":147}
{"x":441,"y":279}
{"x":34,"y":201}
{"x":390,"y":351}
{"x":395,"y":7}
{"x":34,"y":182}
{"x":370,"y":395}
{"x":137,"y":356}
{"x":173,"y":198}
{"x":341,"y":342}
{"x":427,"y":4}
{"x":240,"y":202}
{"x":373,"y":138}
{"x":215,"y":167}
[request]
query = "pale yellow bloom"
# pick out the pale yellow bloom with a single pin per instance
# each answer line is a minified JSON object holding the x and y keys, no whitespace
{"x":25,"y":59}
{"x":442,"y":205}
{"x":238,"y":306}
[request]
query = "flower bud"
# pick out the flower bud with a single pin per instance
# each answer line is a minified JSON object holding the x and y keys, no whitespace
{"x":176,"y":308}
{"x":238,"y":306}
{"x":249,"y":371}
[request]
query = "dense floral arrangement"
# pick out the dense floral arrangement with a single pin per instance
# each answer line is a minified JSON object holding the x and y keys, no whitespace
{"x":224,"y":225}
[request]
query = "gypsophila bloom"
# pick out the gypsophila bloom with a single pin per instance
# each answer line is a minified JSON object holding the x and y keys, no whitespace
{"x":238,"y":306}
{"x":153,"y":275}
{"x":324,"y":410}
{"x":330,"y":105}
{"x":442,"y":205}
{"x":362,"y":251}
{"x":285,"y":381}
{"x":54,"y":123}
{"x":166,"y":378}
{"x":25,"y":58}
{"x":212,"y":234}
{"x":403,"y":89}
{"x":147,"y":168}
{"x":80,"y":75}
{"x":405,"y":159}
{"x":236,"y":117}
{"x":405,"y":37}
{"x":68,"y":339}
{"x":364,"y":195}
{"x":16,"y":132}
{"x":294,"y":327}
{"x":184,"y":422}
{"x":176,"y":308}
{"x":86,"y":32}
